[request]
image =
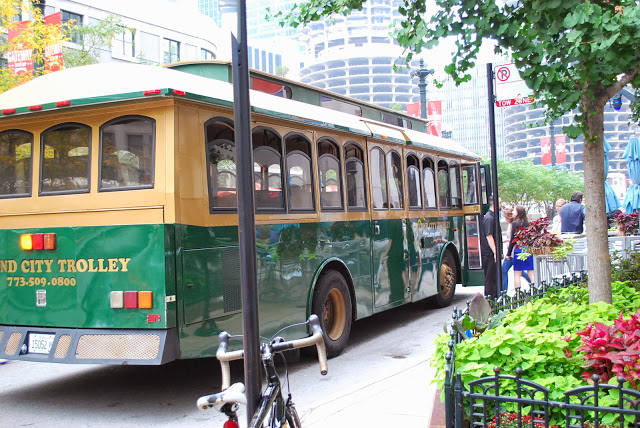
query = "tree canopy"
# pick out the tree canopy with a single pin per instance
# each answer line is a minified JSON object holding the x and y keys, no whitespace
{"x":574,"y":54}
{"x":515,"y":184}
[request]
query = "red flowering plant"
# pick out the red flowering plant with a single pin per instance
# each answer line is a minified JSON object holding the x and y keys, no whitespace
{"x":536,"y":239}
{"x":613,"y":350}
{"x":627,"y":223}
{"x":510,"y":420}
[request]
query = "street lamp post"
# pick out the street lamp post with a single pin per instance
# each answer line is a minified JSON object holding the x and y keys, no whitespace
{"x":422,"y":74}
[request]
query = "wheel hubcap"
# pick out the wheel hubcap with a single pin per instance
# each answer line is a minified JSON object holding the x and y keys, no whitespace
{"x":334,"y":314}
{"x":447,"y":279}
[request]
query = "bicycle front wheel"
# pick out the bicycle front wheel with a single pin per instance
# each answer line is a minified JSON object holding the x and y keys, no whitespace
{"x":291,"y":416}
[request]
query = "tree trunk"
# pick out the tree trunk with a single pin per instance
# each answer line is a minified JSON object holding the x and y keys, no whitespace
{"x":596,"y":225}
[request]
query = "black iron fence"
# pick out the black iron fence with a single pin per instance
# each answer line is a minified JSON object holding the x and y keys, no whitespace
{"x":480,"y":403}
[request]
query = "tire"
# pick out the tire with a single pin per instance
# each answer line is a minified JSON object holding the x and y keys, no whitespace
{"x":332,"y":304}
{"x":446,"y":281}
{"x":291,"y":416}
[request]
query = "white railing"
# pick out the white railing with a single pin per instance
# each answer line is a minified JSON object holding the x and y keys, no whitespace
{"x":546,"y":267}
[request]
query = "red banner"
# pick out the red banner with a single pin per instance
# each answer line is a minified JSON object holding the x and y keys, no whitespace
{"x":413,"y":109}
{"x":434,"y":113}
{"x":20,"y":58}
{"x":561,"y":149}
{"x":545,"y":146}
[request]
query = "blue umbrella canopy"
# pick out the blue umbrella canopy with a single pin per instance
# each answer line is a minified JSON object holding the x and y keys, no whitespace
{"x":612,"y":201}
{"x":632,"y":155}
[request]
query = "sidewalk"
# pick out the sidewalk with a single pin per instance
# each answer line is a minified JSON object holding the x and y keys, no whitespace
{"x":400,"y":399}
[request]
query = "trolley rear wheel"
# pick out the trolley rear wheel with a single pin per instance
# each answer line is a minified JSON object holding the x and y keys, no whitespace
{"x":332,"y":304}
{"x":446,"y":281}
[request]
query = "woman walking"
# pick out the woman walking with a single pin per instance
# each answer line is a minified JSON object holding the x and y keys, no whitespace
{"x":519,"y":220}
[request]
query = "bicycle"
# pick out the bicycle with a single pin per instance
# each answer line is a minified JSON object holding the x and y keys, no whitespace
{"x":272,"y":408}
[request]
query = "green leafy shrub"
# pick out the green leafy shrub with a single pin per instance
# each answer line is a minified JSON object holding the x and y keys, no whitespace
{"x":540,"y":338}
{"x":626,"y":269}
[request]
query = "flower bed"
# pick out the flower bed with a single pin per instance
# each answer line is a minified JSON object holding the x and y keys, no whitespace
{"x":542,"y":339}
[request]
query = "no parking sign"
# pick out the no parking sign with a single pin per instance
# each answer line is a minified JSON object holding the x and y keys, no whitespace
{"x":510,"y":88}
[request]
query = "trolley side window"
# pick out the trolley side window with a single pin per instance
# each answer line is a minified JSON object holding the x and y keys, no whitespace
{"x":444,"y":188}
{"x":470,"y":184}
{"x":267,"y":170}
{"x":456,"y":194}
{"x":16,"y":147}
{"x":221,"y":165}
{"x":299,"y":173}
{"x":429,"y":178}
{"x":394,"y":169}
{"x":330,"y":175}
{"x":354,"y":167}
{"x":378,"y":179}
{"x":413,"y":182}
{"x":127,"y":153}
{"x":65,"y":155}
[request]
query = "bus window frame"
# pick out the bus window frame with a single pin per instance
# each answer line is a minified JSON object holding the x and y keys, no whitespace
{"x":435,"y":183}
{"x":401,"y":190}
{"x":283,"y":207}
{"x":455,"y":166}
{"x":216,"y":209}
{"x":311,"y":173}
{"x":474,"y":167}
{"x":448,"y":186}
{"x":42,"y":154}
{"x":420,"y":186}
{"x":30,"y":178}
{"x":363,"y":152}
{"x":336,"y":145}
{"x":153,"y":154}
{"x":386,"y":184}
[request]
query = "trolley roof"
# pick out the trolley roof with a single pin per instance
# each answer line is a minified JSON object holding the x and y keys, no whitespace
{"x":110,"y":82}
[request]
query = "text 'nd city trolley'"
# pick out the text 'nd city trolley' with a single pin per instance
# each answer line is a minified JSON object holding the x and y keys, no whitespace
{"x":118,"y":217}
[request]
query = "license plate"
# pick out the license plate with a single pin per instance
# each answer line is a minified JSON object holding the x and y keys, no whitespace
{"x":40,"y":343}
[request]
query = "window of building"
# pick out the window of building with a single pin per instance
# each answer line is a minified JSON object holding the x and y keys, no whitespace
{"x":330,"y":175}
{"x":444,"y":188}
{"x":221,"y":164}
{"x":124,"y":42}
{"x":413,"y":182}
{"x":355,"y":176}
{"x":206,"y":54}
{"x":378,"y":179}
{"x":429,"y":182}
{"x":299,"y":173}
{"x":267,"y":169}
{"x":65,"y":155}
{"x":15,"y":163}
{"x":74,"y":20}
{"x":171,"y":51}
{"x":127,"y":151}
{"x":394,"y":171}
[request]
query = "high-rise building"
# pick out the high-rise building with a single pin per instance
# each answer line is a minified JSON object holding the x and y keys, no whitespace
{"x":153,"y":31}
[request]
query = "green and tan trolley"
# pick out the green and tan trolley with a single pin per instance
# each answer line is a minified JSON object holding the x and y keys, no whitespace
{"x":118,"y":217}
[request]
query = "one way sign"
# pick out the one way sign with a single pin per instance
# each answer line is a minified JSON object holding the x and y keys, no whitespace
{"x":510,"y":88}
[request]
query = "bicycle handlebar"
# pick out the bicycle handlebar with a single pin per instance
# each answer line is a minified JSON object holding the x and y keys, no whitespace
{"x":316,"y":338}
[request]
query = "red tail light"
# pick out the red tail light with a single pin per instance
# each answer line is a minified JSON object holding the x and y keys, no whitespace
{"x":130,"y":299}
{"x":38,"y":241}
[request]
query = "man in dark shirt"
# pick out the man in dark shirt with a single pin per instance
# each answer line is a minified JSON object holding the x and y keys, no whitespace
{"x":572,"y":215}
{"x":490,"y":239}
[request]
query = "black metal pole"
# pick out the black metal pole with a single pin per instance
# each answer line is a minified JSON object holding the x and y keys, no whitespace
{"x":494,"y":175}
{"x":246,"y":220}
{"x":422,"y":74}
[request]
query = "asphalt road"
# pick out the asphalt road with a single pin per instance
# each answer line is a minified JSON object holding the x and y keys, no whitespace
{"x":381,"y":347}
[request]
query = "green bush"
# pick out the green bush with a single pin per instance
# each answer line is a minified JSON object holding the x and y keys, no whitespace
{"x":540,"y":338}
{"x":626,"y":269}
